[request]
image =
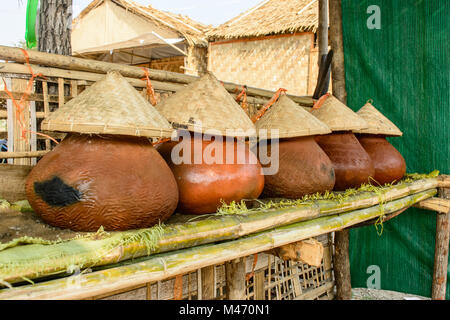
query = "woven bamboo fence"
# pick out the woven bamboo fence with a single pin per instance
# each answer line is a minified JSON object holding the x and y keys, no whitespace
{"x":271,"y":62}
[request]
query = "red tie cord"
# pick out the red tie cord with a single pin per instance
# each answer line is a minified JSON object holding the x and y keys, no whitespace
{"x":268,"y":104}
{"x":251,"y":274}
{"x":20,"y":106}
{"x":244,"y":100}
{"x":178,"y":288}
{"x":321,"y":100}
{"x":150,"y":91}
{"x":161,"y":141}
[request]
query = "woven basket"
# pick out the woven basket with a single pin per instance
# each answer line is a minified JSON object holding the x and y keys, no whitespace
{"x":291,"y":120}
{"x":338,"y":117}
{"x":378,"y":123}
{"x":205,"y":105}
{"x":110,"y":106}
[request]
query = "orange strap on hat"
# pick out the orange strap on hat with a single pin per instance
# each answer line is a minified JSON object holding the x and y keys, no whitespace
{"x":243,"y":96}
{"x":268,"y":104}
{"x":321,"y":100}
{"x":150,"y":91}
{"x":251,"y":274}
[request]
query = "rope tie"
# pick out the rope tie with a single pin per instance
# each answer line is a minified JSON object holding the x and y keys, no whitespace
{"x":251,"y":274}
{"x":268,"y":104}
{"x":161,"y":141}
{"x":243,"y":95}
{"x":320,"y":102}
{"x":150,"y":91}
{"x":20,"y":106}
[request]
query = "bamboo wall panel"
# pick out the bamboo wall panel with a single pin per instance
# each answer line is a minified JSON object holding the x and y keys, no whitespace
{"x":172,"y":64}
{"x":268,"y":63}
{"x":196,"y":61}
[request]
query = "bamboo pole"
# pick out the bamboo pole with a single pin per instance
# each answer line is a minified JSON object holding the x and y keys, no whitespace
{"x":439,"y":286}
{"x":208,"y":283}
{"x":100,"y":67}
{"x":322,"y":30}
{"x":24,"y":154}
{"x":32,"y":260}
{"x":235,"y":279}
{"x":337,"y":44}
{"x":93,"y":77}
{"x":167,"y":265}
{"x":32,"y":97}
{"x":341,"y":257}
{"x":83,"y":75}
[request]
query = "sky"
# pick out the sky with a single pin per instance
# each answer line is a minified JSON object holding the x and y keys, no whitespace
{"x":209,"y":12}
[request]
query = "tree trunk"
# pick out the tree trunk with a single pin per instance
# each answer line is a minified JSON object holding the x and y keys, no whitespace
{"x":341,"y":257}
{"x":55,"y":26}
{"x":337,"y":44}
{"x":54,"y":36}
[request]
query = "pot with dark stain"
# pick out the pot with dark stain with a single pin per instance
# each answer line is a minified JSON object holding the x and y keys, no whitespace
{"x":204,"y":184}
{"x":352,"y":165}
{"x":303,"y":168}
{"x":389,"y":164}
{"x":117,"y":182}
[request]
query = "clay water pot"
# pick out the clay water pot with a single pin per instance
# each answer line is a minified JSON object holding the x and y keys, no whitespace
{"x":304,"y":168}
{"x":203,"y":185}
{"x":352,"y":165}
{"x":388,"y":162}
{"x":116,"y":182}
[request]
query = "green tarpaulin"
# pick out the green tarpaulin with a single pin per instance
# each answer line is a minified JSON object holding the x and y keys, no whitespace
{"x":397,"y":53}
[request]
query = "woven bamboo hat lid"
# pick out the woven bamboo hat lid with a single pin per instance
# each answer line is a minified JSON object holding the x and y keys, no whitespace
{"x":205,"y":105}
{"x":291,"y":120}
{"x":378,"y":123}
{"x":109,"y":106}
{"x":338,"y":117}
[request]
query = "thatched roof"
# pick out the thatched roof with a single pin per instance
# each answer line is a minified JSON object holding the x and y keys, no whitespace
{"x":192,"y":31}
{"x":270,"y":17}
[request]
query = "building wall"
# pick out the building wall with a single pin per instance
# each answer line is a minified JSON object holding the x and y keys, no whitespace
{"x":196,"y":63}
{"x":109,"y":23}
{"x":270,"y":62}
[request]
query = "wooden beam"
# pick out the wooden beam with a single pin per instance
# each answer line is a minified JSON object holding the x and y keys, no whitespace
{"x":32,"y":97}
{"x":4,"y":114}
{"x":439,"y":286}
{"x":322,"y":31}
{"x":337,"y":44}
{"x":22,"y":154}
{"x":434,"y":204}
{"x":12,"y":181}
{"x":341,"y":257}
{"x":208,"y":283}
{"x":235,"y":279}
{"x":72,"y":64}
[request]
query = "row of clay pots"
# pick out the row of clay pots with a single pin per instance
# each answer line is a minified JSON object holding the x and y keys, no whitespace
{"x":122,"y":182}
{"x":87,"y":172}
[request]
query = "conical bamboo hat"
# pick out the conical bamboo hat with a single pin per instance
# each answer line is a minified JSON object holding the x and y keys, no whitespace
{"x":205,"y":105}
{"x":338,"y":117}
{"x":378,"y":123}
{"x":109,"y":106}
{"x":291,"y":120}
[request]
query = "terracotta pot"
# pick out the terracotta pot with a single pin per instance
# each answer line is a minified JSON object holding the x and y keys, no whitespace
{"x":202,"y":186}
{"x":388,"y":162}
{"x":352,"y":165}
{"x":86,"y":182}
{"x":304,"y":168}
